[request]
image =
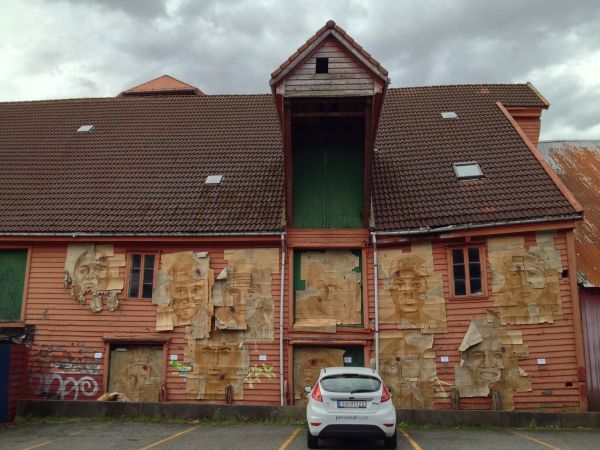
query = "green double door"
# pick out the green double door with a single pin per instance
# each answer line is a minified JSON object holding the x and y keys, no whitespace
{"x":328,"y":176}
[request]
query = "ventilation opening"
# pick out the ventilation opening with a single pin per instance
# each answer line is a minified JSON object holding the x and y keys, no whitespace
{"x":322,"y":65}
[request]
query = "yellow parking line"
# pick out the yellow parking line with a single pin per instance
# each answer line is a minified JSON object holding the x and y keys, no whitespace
{"x":545,"y":444}
{"x":410,"y":440}
{"x":41,"y":444}
{"x":289,"y":440}
{"x":170,"y":438}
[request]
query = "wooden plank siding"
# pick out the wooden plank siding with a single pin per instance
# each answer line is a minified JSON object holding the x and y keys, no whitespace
{"x":555,"y":342}
{"x":346,"y":77}
{"x":529,"y":120}
{"x":17,"y":368}
{"x":67,"y":335}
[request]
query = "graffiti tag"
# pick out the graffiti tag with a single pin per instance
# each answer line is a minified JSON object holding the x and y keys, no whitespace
{"x":255,"y":373}
{"x":54,"y":383}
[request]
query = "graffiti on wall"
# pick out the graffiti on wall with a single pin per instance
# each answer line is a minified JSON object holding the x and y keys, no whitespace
{"x":56,"y":385}
{"x":489,"y":358}
{"x":256,"y":373}
{"x":94,"y":269}
{"x":412,"y":294}
{"x":525,"y":282}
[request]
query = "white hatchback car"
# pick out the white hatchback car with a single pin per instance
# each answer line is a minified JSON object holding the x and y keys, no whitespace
{"x":350,"y":402}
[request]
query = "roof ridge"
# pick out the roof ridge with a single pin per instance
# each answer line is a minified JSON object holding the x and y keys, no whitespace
{"x":457,"y":85}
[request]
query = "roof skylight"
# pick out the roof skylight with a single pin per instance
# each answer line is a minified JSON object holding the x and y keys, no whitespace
{"x":467,"y":170}
{"x":213,"y":180}
{"x":449,"y":115}
{"x":85,"y":129}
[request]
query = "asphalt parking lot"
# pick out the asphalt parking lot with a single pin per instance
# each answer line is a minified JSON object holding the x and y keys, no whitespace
{"x":161,"y":436}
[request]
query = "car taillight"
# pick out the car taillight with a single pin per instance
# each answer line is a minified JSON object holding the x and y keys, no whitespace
{"x":385,"y":395}
{"x":316,"y":393}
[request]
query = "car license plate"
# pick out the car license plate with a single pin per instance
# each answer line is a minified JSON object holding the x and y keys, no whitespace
{"x":352,"y":404}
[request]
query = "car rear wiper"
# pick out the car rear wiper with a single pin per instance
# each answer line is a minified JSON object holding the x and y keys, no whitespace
{"x":358,"y":391}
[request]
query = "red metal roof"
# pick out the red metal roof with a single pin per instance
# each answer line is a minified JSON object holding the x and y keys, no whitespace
{"x":577,"y":163}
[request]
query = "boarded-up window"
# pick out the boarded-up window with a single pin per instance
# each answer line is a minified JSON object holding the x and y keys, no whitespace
{"x":136,"y":371}
{"x":327,"y":289}
{"x":12,"y":280}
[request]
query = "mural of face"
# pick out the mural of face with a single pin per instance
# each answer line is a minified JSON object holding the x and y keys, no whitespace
{"x":408,"y":291}
{"x":484,"y":362}
{"x":85,"y":274}
{"x":187,"y":288}
{"x":224,"y":364}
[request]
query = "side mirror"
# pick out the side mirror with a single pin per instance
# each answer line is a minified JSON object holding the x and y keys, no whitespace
{"x":308,"y":389}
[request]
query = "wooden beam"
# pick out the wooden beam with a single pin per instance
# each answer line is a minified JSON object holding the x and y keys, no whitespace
{"x":368,"y":160}
{"x":330,"y":114}
{"x":287,"y":151}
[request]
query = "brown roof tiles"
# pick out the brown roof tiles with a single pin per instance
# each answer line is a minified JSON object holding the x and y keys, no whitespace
{"x":165,"y":84}
{"x":142,"y":168}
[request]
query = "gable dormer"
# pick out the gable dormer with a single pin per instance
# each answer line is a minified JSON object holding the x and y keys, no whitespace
{"x":329,"y":95}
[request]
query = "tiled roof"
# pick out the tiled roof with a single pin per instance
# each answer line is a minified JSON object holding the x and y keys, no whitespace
{"x":142,"y":168}
{"x":330,"y":25}
{"x":414,"y":182}
{"x":577,"y":163}
{"x":165,"y":84}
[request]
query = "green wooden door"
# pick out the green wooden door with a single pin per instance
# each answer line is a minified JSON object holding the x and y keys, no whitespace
{"x":12,"y":281}
{"x":328,"y":177}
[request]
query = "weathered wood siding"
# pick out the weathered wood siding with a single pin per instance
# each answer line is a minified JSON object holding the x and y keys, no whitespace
{"x":67,"y":336}
{"x":346,"y":77}
{"x":555,"y":385}
{"x":529,"y":120}
{"x":590,"y":311}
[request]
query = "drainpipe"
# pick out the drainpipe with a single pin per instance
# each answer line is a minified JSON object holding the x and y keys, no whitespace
{"x":281,"y":293}
{"x":376,"y":284}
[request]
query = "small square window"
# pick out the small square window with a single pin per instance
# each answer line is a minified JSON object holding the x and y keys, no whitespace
{"x":467,"y":170}
{"x":449,"y":115}
{"x":322,"y":65}
{"x":467,"y":271}
{"x":85,"y":129}
{"x":141,"y":275}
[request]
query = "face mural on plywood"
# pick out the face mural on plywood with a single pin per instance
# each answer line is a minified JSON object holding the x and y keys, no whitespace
{"x":489,"y":359}
{"x":525,"y":282}
{"x":330,"y":291}
{"x":407,"y":366}
{"x":308,"y":362}
{"x":183,"y":292}
{"x":94,"y":269}
{"x":412,"y":294}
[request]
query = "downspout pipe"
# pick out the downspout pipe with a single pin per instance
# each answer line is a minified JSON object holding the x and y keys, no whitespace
{"x":376,"y":286}
{"x":281,"y":304}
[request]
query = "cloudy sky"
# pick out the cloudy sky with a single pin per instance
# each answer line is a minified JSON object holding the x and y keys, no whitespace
{"x":90,"y":48}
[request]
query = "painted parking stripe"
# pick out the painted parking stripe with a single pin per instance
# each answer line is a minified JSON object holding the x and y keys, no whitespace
{"x":77,"y":433}
{"x":538,"y":441}
{"x":169,"y":438}
{"x":410,"y":440}
{"x":290,"y":439}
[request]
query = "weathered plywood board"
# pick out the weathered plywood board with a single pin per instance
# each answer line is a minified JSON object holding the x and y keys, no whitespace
{"x":308,"y":362}
{"x":136,"y":371}
{"x":525,"y":281}
{"x":413,"y":292}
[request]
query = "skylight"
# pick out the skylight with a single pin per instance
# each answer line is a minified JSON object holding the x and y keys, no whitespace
{"x":213,"y":180}
{"x":449,"y":115}
{"x":85,"y":128}
{"x":467,"y":170}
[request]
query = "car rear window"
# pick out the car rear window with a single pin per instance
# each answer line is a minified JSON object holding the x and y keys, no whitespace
{"x":352,"y":383}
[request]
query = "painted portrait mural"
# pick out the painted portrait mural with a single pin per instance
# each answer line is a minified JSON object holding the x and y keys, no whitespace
{"x":328,"y":291}
{"x":489,"y":358}
{"x":93,"y":272}
{"x":412,"y":294}
{"x":407,"y":366}
{"x":308,"y":362}
{"x":525,"y":281}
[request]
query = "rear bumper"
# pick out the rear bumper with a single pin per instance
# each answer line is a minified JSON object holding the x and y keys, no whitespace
{"x":352,"y":430}
{"x":351,"y":424}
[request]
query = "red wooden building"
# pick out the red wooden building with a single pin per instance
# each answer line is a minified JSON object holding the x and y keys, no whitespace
{"x":177,"y":246}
